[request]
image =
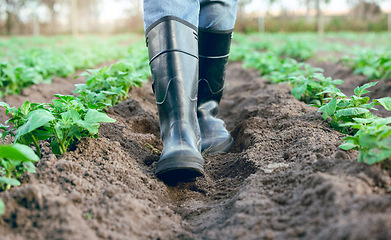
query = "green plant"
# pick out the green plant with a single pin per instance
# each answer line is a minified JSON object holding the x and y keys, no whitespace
{"x":69,"y":118}
{"x":110,"y":85}
{"x":20,"y":117}
{"x":373,"y":64}
{"x":24,"y":62}
{"x":2,"y":207}
{"x":300,"y":50}
{"x":310,"y":88}
{"x":372,"y":140}
{"x":341,"y":109}
{"x":14,"y":161}
{"x":61,"y":122}
{"x":368,"y":133}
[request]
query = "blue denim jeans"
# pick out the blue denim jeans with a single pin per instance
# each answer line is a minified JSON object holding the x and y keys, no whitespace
{"x":216,"y":15}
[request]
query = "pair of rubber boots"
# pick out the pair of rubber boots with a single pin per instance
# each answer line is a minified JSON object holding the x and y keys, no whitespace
{"x":188,"y":68}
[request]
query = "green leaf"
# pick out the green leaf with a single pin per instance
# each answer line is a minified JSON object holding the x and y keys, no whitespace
{"x":67,"y":98}
{"x":66,"y":116}
{"x":361,"y":90}
{"x":94,"y":116}
{"x":55,"y":147}
{"x":36,"y":119}
{"x":385,"y":102}
{"x":350,"y":112}
{"x":5,"y":105}
{"x":10,"y":181}
{"x":58,"y":104}
{"x":348,"y":145}
{"x":329,"y":108}
{"x":382,"y":121}
{"x":59,"y":131}
{"x":337,"y":82}
{"x":30,"y":167}
{"x":375,"y":155}
{"x":25,"y":107}
{"x":18,"y":152}
{"x":367,"y":141}
{"x":92,"y":128}
{"x":385,"y":143}
{"x":2,"y":207}
{"x":75,"y":115}
{"x":363,"y":120}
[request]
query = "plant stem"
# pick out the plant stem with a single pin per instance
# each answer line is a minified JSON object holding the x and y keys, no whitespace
{"x":7,"y":186}
{"x":60,"y":146}
{"x":36,"y":144}
{"x":68,"y":142}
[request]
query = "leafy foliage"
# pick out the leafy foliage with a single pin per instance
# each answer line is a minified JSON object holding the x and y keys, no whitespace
{"x":110,"y":85}
{"x":373,"y":139}
{"x":367,"y":133}
{"x":69,"y":118}
{"x":374,"y":65}
{"x":341,"y":109}
{"x":298,"y":50}
{"x":22,"y":66}
{"x":14,"y":161}
{"x":61,"y":122}
{"x":308,"y":88}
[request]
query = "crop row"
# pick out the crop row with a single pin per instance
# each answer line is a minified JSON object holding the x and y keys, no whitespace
{"x":369,"y":134}
{"x":373,"y":64}
{"x":69,"y":118}
{"x":24,"y":66}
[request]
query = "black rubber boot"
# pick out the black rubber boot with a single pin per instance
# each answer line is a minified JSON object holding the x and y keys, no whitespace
{"x":173,"y":53}
{"x":214,"y":49}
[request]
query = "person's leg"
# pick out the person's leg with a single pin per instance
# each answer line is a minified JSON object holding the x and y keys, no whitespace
{"x":187,"y":10}
{"x":217,"y":15}
{"x":216,"y":23}
{"x":173,"y":52}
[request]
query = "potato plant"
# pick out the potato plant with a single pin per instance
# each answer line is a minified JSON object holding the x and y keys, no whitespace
{"x":374,"y":65}
{"x":368,"y":133}
{"x":341,"y":109}
{"x":110,"y":85}
{"x":15,"y":160}
{"x":22,"y":66}
{"x":61,"y":122}
{"x":372,"y":140}
{"x":67,"y":119}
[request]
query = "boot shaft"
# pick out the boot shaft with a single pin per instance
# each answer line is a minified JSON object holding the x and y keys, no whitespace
{"x":214,"y":47}
{"x":173,"y":53}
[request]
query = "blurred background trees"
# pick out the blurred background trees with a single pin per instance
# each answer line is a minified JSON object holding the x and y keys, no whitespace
{"x":49,"y":17}
{"x":316,"y":15}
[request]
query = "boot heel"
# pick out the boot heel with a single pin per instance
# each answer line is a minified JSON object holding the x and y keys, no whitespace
{"x":181,"y":169}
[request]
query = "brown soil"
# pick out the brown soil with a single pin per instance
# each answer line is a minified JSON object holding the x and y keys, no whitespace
{"x":284,"y":178}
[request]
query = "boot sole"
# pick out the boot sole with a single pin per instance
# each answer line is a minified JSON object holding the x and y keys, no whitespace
{"x":220,"y":148}
{"x":179,"y":169}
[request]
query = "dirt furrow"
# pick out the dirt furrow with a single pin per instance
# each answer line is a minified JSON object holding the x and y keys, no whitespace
{"x":284,"y":178}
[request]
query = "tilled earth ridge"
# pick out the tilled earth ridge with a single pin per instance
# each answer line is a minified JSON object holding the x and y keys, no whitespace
{"x":284,"y":178}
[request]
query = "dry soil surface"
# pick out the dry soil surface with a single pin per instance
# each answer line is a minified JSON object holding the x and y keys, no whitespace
{"x":284,"y":178}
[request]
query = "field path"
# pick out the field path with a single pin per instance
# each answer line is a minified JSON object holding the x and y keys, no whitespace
{"x":284,"y":178}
